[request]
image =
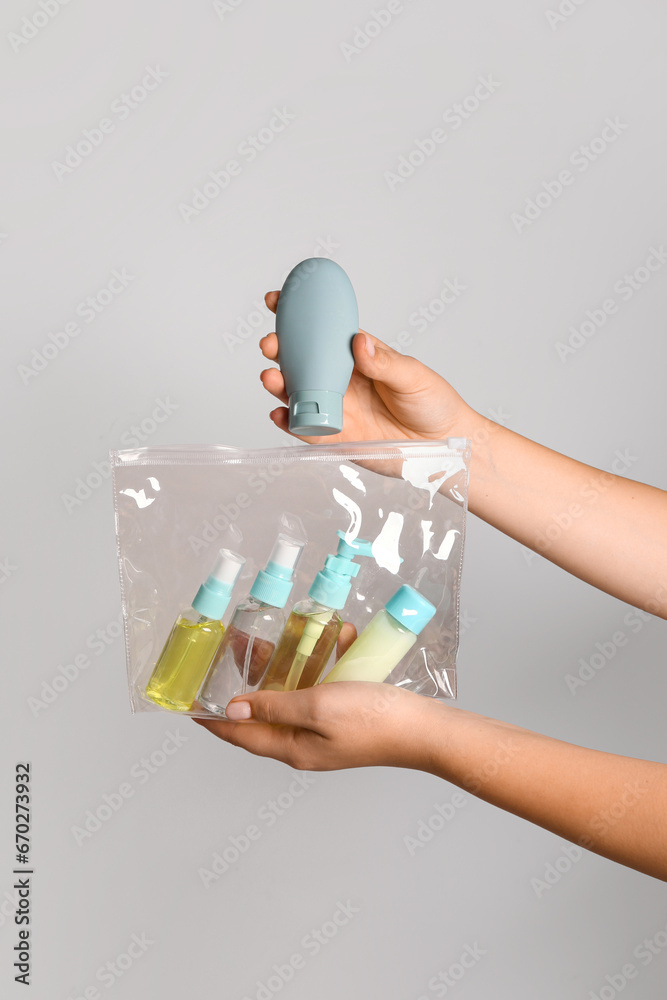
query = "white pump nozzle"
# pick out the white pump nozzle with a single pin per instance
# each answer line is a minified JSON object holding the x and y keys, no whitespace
{"x":227,"y":567}
{"x":286,"y":551}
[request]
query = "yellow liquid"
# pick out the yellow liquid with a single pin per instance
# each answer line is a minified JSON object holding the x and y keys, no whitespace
{"x":282,"y":659}
{"x":183,"y":662}
{"x":295,"y":671}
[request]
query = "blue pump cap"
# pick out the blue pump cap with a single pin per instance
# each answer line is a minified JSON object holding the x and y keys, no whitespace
{"x":331,"y":586}
{"x":274,"y":584}
{"x":354,"y":547}
{"x":410,"y":608}
{"x":213,"y":596}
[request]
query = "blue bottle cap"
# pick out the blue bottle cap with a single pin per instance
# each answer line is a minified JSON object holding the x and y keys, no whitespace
{"x":315,"y":412}
{"x":213,"y":596}
{"x":410,"y":608}
{"x":273,"y":584}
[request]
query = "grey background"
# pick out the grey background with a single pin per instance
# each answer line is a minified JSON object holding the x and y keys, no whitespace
{"x":320,"y":186}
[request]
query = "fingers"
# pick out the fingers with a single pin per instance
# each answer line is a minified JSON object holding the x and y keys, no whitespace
{"x":347,"y":635}
{"x":278,"y":708}
{"x":271,"y":299}
{"x":280,"y":417}
{"x":365,"y":343}
{"x":347,"y":724}
{"x":272,"y":723}
{"x":255,"y":737}
{"x":269,"y":346}
{"x":382,"y":363}
{"x":278,"y":720}
{"x":273,"y":381}
{"x":272,"y":378}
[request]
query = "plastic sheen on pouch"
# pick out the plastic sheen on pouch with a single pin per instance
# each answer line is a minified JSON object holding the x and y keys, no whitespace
{"x":239,"y":567}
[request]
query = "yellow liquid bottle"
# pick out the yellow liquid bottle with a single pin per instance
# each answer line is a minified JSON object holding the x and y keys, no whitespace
{"x":194,"y":639}
{"x":187,"y":655}
{"x":311,"y":631}
{"x":327,"y":622}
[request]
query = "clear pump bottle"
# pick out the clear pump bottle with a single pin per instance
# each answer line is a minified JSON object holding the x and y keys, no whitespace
{"x":254,"y":629}
{"x":386,"y":639}
{"x":194,"y":638}
{"x":311,"y":631}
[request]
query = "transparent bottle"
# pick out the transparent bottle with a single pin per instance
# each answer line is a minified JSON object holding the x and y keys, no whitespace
{"x":194,"y":638}
{"x":312,"y":630}
{"x":255,"y":627}
{"x":385,"y":640}
{"x":313,"y":627}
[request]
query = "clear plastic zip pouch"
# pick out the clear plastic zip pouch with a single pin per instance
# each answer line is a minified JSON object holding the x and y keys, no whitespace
{"x":239,"y":568}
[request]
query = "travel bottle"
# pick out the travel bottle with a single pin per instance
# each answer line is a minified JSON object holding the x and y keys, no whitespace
{"x":386,"y":639}
{"x":194,"y":638}
{"x":311,"y":631}
{"x":316,"y":319}
{"x":254,"y":629}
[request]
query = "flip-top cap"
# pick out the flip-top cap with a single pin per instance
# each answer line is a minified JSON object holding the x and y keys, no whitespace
{"x":315,"y":412}
{"x":410,"y":608}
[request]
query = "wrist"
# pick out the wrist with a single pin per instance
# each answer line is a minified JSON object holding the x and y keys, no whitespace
{"x":478,"y":429}
{"x":457,"y":418}
{"x":483,"y":434}
{"x":432,"y":737}
{"x":439,"y":738}
{"x":467,"y":749}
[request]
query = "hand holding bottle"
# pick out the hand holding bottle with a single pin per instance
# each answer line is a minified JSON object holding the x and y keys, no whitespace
{"x":390,"y":397}
{"x":516,"y":485}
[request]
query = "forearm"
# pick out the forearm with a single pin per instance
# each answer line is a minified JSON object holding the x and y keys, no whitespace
{"x":615,"y":806}
{"x":604,"y":529}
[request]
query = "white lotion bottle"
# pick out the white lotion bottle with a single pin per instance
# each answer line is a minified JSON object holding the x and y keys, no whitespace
{"x":389,"y":635}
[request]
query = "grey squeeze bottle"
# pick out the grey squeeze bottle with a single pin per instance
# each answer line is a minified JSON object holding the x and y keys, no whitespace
{"x":316,"y":319}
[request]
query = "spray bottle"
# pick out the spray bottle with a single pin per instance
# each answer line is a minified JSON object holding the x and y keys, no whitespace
{"x":316,"y":319}
{"x":311,"y":631}
{"x":254,"y":629}
{"x":386,"y":639}
{"x":194,"y":638}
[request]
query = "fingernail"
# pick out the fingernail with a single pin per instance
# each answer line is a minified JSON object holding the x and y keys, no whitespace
{"x":370,"y":346}
{"x":238,"y":710}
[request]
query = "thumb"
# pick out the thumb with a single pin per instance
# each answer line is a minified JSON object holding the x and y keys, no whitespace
{"x":278,"y":708}
{"x":382,"y":363}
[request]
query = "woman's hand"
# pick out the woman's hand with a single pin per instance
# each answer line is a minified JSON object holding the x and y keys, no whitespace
{"x":391,"y":396}
{"x":331,"y":726}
